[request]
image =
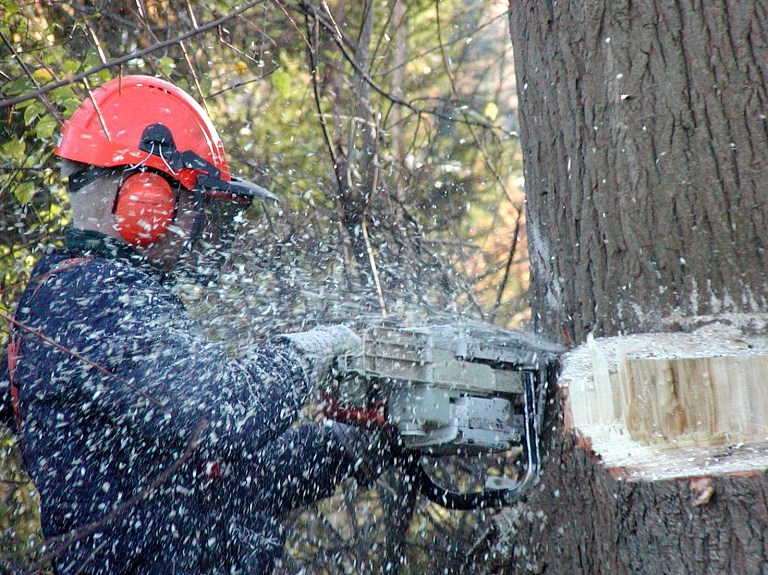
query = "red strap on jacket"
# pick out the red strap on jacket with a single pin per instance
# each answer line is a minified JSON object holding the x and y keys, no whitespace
{"x":13,"y":357}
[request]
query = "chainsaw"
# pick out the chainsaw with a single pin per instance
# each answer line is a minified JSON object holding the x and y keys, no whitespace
{"x":452,"y":390}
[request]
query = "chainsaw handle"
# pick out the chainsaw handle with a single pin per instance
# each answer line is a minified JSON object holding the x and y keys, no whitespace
{"x":375,"y":417}
{"x":533,"y":405}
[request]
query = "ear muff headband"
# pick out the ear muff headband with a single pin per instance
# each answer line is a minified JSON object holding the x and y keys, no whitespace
{"x":144,"y":208}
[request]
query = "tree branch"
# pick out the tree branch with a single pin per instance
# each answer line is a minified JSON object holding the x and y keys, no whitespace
{"x":8,"y":102}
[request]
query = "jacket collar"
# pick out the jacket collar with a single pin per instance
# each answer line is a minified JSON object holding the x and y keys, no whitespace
{"x":91,"y":243}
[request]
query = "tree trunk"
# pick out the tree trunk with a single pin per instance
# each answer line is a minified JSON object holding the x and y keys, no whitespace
{"x":644,"y":141}
{"x":643,"y":127}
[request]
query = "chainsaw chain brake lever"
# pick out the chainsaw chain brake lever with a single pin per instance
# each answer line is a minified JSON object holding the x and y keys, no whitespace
{"x":535,"y":391}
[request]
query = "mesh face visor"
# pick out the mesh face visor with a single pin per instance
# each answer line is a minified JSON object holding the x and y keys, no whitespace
{"x":217,"y":221}
{"x":218,"y":204}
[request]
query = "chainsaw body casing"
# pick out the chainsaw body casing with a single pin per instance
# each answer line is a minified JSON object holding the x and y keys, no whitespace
{"x":451,"y":389}
{"x":457,"y":389}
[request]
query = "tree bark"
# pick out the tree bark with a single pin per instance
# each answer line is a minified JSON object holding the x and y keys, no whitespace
{"x":645,"y":147}
{"x":581,"y":520}
{"x":643,"y":129}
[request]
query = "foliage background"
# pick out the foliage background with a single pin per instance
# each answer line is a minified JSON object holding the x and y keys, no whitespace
{"x":388,"y":131}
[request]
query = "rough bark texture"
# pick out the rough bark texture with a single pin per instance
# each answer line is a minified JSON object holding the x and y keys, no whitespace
{"x":645,"y":147}
{"x":644,"y":137}
{"x":581,"y":521}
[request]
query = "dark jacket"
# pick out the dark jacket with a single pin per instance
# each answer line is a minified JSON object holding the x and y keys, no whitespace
{"x":115,"y":383}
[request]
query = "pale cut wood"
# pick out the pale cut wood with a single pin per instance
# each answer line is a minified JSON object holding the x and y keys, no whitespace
{"x":664,"y":405}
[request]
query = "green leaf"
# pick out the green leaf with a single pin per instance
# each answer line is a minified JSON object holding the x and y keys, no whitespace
{"x":32,"y":112}
{"x":281,"y":81}
{"x":71,"y":66}
{"x":14,"y":149}
{"x":24,"y":192}
{"x":17,"y":86}
{"x":65,"y":96}
{"x":167,"y":65}
{"x":62,"y":93}
{"x":45,"y":127}
{"x":10,"y":8}
{"x":70,"y":105}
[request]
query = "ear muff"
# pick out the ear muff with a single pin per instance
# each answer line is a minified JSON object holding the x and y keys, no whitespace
{"x":144,"y":208}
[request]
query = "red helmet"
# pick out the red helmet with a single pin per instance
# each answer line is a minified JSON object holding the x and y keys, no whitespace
{"x":148,"y":122}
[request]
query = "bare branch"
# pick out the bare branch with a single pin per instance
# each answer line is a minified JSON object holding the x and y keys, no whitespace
{"x":8,"y":102}
{"x":331,"y":27}
{"x":312,"y":44}
{"x":374,"y":270}
{"x":510,"y":259}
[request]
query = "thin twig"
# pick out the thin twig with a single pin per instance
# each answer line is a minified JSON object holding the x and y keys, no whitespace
{"x":98,"y":110}
{"x":188,"y":60}
{"x":510,"y":259}
{"x":374,"y":270}
{"x":312,"y":44}
{"x":8,"y":102}
{"x":333,"y":28}
{"x":56,"y":345}
{"x":99,"y":49}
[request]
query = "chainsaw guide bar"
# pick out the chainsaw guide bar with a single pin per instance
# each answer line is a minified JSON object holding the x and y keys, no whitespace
{"x":458,"y":389}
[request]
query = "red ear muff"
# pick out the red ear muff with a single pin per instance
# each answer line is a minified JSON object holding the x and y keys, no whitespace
{"x":144,"y":208}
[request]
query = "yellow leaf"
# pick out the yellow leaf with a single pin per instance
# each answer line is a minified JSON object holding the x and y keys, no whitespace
{"x":42,"y":75}
{"x":491,"y":110}
{"x":241,"y":67}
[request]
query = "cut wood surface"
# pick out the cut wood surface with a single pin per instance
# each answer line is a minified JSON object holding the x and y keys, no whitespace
{"x":665,"y":405}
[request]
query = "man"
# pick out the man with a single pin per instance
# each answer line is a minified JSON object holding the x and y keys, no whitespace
{"x":153,"y":451}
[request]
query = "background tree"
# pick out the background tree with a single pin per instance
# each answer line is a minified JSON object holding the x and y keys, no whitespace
{"x":644,"y":143}
{"x":387,"y":129}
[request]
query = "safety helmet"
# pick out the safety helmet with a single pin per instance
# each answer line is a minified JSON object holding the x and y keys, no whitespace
{"x":143,"y":125}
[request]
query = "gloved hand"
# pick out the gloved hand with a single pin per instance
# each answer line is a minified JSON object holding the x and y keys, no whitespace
{"x":372,"y":451}
{"x":320,"y":347}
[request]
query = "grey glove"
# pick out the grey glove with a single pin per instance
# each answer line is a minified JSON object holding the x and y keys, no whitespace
{"x":320,"y":346}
